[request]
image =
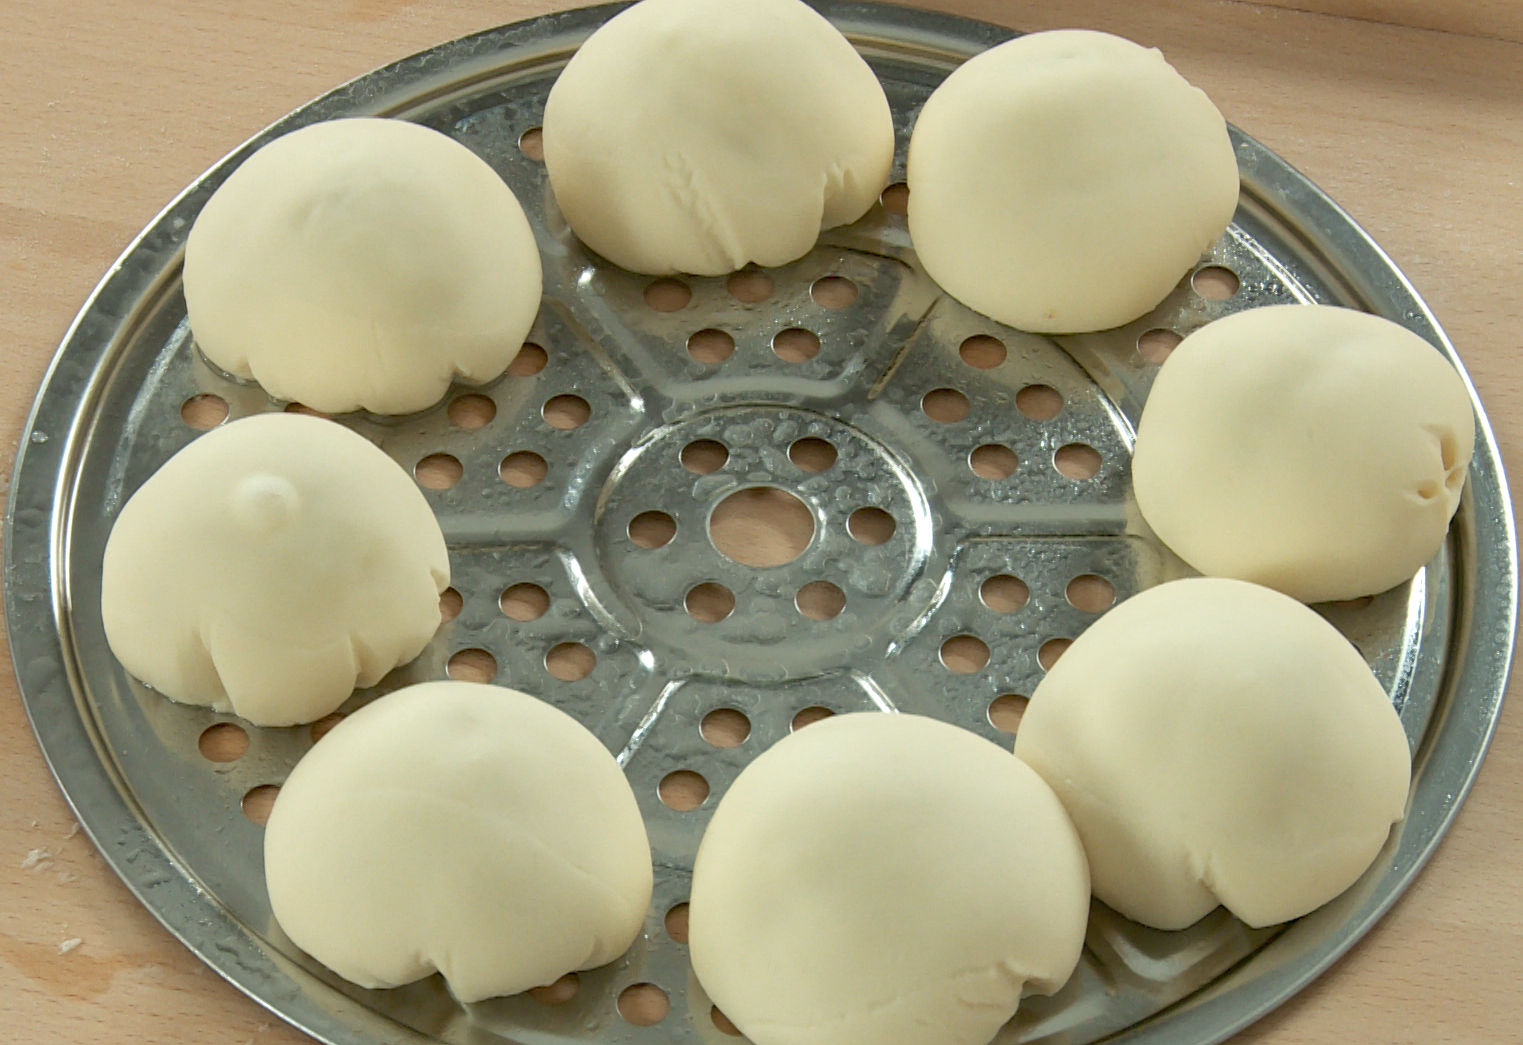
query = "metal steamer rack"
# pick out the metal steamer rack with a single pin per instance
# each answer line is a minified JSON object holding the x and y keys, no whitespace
{"x":1003,"y":458}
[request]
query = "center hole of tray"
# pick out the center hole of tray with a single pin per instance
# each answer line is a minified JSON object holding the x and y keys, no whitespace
{"x":761,"y":526}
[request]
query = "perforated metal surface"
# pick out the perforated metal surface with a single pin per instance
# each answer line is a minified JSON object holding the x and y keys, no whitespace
{"x":170,"y":821}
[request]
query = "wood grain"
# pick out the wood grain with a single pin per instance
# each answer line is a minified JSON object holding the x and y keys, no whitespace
{"x":1500,"y":19}
{"x":112,"y":108}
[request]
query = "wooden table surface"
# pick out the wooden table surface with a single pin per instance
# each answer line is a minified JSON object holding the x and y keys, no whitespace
{"x":110,"y":109}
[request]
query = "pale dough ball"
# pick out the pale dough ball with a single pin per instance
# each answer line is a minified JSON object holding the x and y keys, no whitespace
{"x":270,"y":567}
{"x":1065,"y":181}
{"x":362,"y":264}
{"x":885,"y":879}
{"x":462,"y":828}
{"x":1316,"y":450}
{"x":699,"y":135}
{"x":1218,"y":743}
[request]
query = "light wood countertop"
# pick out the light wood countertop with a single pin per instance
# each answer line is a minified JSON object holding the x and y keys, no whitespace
{"x":110,"y":109}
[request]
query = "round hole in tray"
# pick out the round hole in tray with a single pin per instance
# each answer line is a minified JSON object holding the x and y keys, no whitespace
{"x":709,"y":602}
{"x":993,"y":461}
{"x":323,"y":726}
{"x":796,"y":345}
{"x":834,"y":292}
{"x":703,"y":456}
{"x":722,"y":1022}
{"x":472,"y":665}
{"x":1005,"y":712}
{"x":820,"y":600}
{"x":1215,"y":283}
{"x":945,"y":405}
{"x":570,"y":661}
{"x":809,"y":716}
{"x":812,"y":455}
{"x":259,"y":801}
{"x":668,"y":295}
{"x":524,"y":601}
{"x":652,"y":529}
{"x":1351,"y":605}
{"x":1039,"y":402}
{"x":983,"y":352}
{"x":472,"y":411}
{"x":725,"y":727}
{"x":676,"y":922}
{"x":965,"y":654}
{"x":1077,"y":461}
{"x":1091,"y":593}
{"x":523,"y":469}
{"x":204,"y":411}
{"x":532,"y":144}
{"x":644,"y":1004}
{"x":531,"y":359}
{"x":557,"y":993}
{"x":223,"y":742}
{"x":1051,"y":650}
{"x":761,"y":526}
{"x":749,"y":286}
{"x":439,"y":471}
{"x":450,"y":604}
{"x":683,"y":790}
{"x":871,"y":525}
{"x":896,"y":199}
{"x":566,"y":412}
{"x":1004,"y":593}
{"x":1156,"y":345}
{"x":711,"y":346}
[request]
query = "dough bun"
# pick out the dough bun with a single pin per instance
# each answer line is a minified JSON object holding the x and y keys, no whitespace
{"x":1316,"y":450}
{"x":1065,"y":181}
{"x":1218,"y":743}
{"x":270,"y":567}
{"x":699,"y":135}
{"x":462,"y":828}
{"x":362,"y":264}
{"x":885,"y":879}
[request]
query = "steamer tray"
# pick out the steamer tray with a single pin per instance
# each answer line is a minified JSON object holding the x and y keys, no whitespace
{"x":999,"y":458}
